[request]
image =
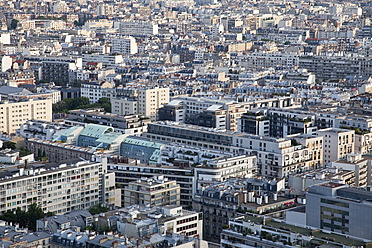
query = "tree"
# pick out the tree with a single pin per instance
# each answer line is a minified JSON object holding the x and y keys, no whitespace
{"x":25,"y":218}
{"x":34,"y":213}
{"x":9,"y":216}
{"x":81,"y":103}
{"x":14,"y":24}
{"x":97,"y":209}
{"x":9,"y":144}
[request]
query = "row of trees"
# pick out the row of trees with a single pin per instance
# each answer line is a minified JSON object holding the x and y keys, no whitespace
{"x":80,"y":103}
{"x":25,"y":219}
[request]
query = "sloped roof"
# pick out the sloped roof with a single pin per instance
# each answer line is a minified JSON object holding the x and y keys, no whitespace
{"x":94,"y":130}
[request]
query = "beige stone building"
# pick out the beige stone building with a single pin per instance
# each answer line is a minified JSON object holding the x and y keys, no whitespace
{"x":337,"y":143}
{"x":14,"y":114}
{"x":157,"y":191}
{"x":150,"y":100}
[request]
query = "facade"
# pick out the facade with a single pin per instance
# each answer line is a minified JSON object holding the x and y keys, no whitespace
{"x":96,"y":90}
{"x":55,"y":151}
{"x":119,"y":122}
{"x":276,"y":158}
{"x":42,"y":130}
{"x":336,"y":207}
{"x":150,"y":100}
{"x":215,"y":113}
{"x":300,"y":183}
{"x":137,"y":28}
{"x":337,"y":143}
{"x":360,"y":167}
{"x":258,"y":231}
{"x":67,"y":187}
{"x":125,"y":45}
{"x":31,"y":109}
{"x":223,"y":201}
{"x":124,"y":106}
{"x":255,"y":124}
{"x":190,"y":178}
{"x":146,"y":102}
{"x":128,"y":171}
{"x":57,"y":69}
{"x":157,"y":191}
{"x":337,"y":67}
{"x":107,"y":60}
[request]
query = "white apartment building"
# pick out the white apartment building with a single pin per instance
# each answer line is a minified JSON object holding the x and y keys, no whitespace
{"x":96,"y":48}
{"x":42,"y":130}
{"x":14,"y":114}
{"x":124,"y":106}
{"x":96,"y":90}
{"x":105,"y":59}
{"x":276,"y":158}
{"x":60,"y":7}
{"x":136,"y":28}
{"x":5,"y":63}
{"x":337,"y":143}
{"x":105,"y":9}
{"x":363,"y":143}
{"x":157,"y":191}
{"x":150,"y":100}
{"x":354,"y":162}
{"x":261,"y":60}
{"x":57,"y":188}
{"x":126,"y":45}
{"x":183,"y":222}
{"x":220,"y":169}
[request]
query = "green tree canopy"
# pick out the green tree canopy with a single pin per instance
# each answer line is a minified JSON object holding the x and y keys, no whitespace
{"x":24,"y":218}
{"x":80,"y":103}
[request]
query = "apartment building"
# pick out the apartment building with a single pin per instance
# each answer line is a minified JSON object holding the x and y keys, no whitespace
{"x":268,"y":60}
{"x":128,"y":124}
{"x":14,"y":114}
{"x":150,"y":100}
{"x":127,"y":171}
{"x":136,"y":28}
{"x":190,"y":178}
{"x":181,"y":221}
{"x":315,"y":145}
{"x":300,"y":183}
{"x":157,"y":191}
{"x":337,"y":143}
{"x":214,"y":113}
{"x":220,"y":202}
{"x":124,"y":106}
{"x":38,"y":129}
{"x":276,"y":158}
{"x":107,"y":60}
{"x":57,"y":188}
{"x":358,"y":165}
{"x":260,"y":231}
{"x":146,"y":102}
{"x":337,"y":67}
{"x":254,"y":123}
{"x":56,"y":151}
{"x":96,"y":90}
{"x":161,"y":220}
{"x":363,"y":143}
{"x":5,"y":63}
{"x":338,"y":208}
{"x":125,"y":45}
{"x":56,"y":69}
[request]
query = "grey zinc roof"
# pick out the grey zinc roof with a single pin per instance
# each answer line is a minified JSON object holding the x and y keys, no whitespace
{"x":6,"y":90}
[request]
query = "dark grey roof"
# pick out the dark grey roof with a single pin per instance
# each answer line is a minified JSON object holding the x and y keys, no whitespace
{"x":6,"y":90}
